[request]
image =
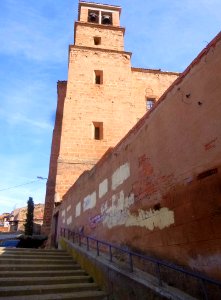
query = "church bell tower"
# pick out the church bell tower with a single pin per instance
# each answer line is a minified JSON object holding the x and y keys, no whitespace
{"x":94,"y":110}
{"x":98,"y":89}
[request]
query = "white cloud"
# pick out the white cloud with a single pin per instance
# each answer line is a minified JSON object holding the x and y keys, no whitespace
{"x":17,"y":118}
{"x":26,"y":30}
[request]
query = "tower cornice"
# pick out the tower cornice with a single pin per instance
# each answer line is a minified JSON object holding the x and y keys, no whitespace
{"x":99,"y":50}
{"x":101,"y":26}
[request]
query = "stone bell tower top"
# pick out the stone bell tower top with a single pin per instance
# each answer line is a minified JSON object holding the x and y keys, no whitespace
{"x":98,"y":26}
{"x":102,"y":14}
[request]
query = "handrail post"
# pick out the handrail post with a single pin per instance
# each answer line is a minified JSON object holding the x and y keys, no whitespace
{"x":110,"y":251}
{"x":98,"y":248}
{"x":87,"y":244}
{"x":131,"y":262}
{"x":76,"y":237}
{"x":204,"y":289}
{"x":158,"y":274}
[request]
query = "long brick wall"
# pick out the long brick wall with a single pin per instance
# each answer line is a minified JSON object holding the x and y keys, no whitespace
{"x":158,"y":191}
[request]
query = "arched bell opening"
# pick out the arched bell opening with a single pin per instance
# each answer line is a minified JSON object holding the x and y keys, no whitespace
{"x":93,"y":17}
{"x":106,"y":18}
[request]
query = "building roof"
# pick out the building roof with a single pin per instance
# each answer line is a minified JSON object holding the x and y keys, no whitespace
{"x":143,"y":70}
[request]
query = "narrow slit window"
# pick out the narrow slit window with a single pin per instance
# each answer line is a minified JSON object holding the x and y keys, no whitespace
{"x":150,"y":103}
{"x":98,"y":130}
{"x":98,"y":77}
{"x":97,"y":40}
{"x":97,"y":133}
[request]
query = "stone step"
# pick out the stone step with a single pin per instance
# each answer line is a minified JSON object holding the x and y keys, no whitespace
{"x":30,"y":274}
{"x":21,"y":281}
{"x":31,"y":255}
{"x":43,"y":273}
{"x":39,"y":267}
{"x":46,"y":289}
{"x":27,"y":251}
{"x":27,"y":260}
{"x":83,"y":295}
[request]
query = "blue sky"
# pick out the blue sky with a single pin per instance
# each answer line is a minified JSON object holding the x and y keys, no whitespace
{"x":34,"y":39}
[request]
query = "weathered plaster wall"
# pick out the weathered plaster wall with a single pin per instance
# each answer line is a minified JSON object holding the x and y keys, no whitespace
{"x":158,"y":191}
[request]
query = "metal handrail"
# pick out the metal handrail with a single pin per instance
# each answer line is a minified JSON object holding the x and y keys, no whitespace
{"x":203,"y":279}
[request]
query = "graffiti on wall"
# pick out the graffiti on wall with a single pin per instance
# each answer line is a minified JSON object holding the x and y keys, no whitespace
{"x":95,"y":220}
{"x":118,"y":177}
{"x":89,"y":201}
{"x":118,"y":213}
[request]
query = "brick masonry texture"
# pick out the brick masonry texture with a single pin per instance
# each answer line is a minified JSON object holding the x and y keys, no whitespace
{"x":118,"y":103}
{"x":158,"y":190}
{"x":111,"y":39}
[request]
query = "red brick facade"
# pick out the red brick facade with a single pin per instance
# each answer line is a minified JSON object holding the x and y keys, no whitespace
{"x":87,"y":108}
{"x":158,"y":191}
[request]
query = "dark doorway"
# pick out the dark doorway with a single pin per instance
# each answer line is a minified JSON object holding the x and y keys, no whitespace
{"x":55,"y":230}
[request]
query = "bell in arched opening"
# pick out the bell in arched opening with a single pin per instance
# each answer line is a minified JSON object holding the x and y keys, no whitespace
{"x":106,"y":19}
{"x":93,"y":17}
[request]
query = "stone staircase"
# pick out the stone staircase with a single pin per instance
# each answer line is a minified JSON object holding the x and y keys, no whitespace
{"x":32,"y":274}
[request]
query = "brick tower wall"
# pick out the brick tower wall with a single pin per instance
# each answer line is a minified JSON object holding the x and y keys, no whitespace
{"x":55,"y":148}
{"x":116,"y":104}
